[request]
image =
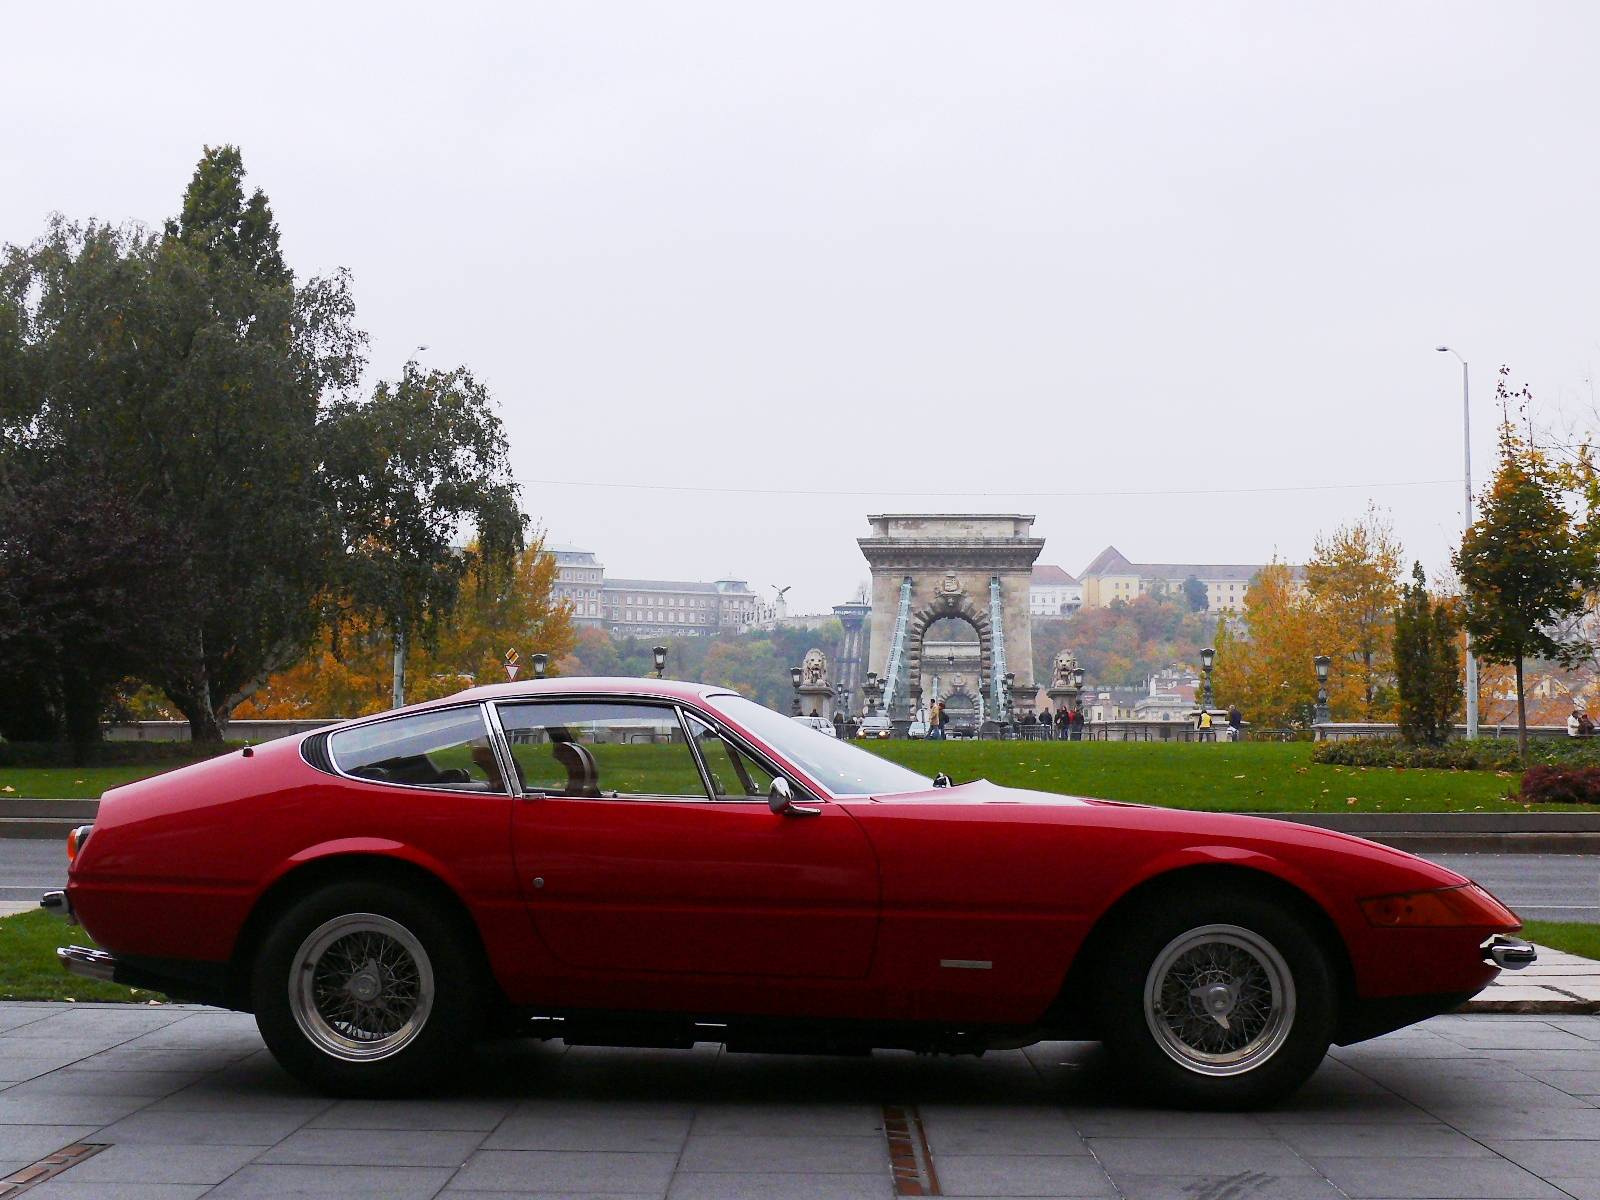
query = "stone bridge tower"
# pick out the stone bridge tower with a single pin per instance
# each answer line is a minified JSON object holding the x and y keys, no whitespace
{"x":973,"y":567}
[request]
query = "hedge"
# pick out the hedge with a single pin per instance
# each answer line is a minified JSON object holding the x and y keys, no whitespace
{"x":1561,"y":785}
{"x":108,"y":754}
{"x":1484,"y":754}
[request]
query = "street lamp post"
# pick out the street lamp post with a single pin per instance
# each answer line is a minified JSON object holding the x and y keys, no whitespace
{"x":660,"y":655}
{"x":1208,"y":659}
{"x":1466,"y":440}
{"x":794,"y":678}
{"x":541,"y":664}
{"x":1322,"y":662}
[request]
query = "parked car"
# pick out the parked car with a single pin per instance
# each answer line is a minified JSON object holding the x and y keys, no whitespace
{"x":875,"y":726}
{"x":821,"y":724}
{"x":650,"y":863}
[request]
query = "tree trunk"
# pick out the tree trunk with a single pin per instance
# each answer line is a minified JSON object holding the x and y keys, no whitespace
{"x":1522,"y":716}
{"x":81,"y":709}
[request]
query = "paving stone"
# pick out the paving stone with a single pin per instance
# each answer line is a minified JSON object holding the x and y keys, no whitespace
{"x":790,"y":1120}
{"x":348,"y":1183}
{"x":202,"y":1129}
{"x":29,"y":1143}
{"x":1396,"y":1141}
{"x":526,"y":1171}
{"x":64,"y":1188}
{"x":71,"y":1081}
{"x":162,"y":1164}
{"x":1202,"y":1156}
{"x":1540,"y":1036}
{"x":1241,"y":1185}
{"x":999,"y":1130}
{"x":1520,"y":1124}
{"x":1379,"y":1178}
{"x":80,"y":1109}
{"x":1112,"y":1121}
{"x":524,"y":1131}
{"x":1022,"y":1175}
{"x":456,"y":1114}
{"x":690,"y":1186}
{"x":821,"y":1155}
{"x":1550,"y":1158}
{"x":374,"y":1147}
{"x":1583,"y":1187}
{"x":1574,"y":1083}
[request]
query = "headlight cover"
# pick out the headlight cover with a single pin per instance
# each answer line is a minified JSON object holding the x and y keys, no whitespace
{"x":1465,"y":904}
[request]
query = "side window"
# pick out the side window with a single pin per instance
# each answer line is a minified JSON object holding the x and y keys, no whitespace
{"x":601,"y":749}
{"x":448,"y":749}
{"x":734,"y":774}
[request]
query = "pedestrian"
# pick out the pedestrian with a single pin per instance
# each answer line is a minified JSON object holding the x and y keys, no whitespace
{"x":1575,"y":724}
{"x":1077,"y":724}
{"x":1044,"y":719}
{"x":1063,"y":724}
{"x":944,"y":720}
{"x":1207,"y":733}
{"x":1235,"y":723}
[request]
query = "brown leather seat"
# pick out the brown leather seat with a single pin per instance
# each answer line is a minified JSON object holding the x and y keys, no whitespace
{"x":583,"y":774}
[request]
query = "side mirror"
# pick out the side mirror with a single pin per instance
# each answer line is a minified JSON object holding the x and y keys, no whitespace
{"x":780,"y":799}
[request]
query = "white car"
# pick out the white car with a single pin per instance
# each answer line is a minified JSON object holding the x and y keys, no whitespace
{"x":820,"y":724}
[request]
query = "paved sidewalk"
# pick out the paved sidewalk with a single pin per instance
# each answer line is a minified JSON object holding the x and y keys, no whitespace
{"x":1557,"y":983}
{"x":187,"y":1104}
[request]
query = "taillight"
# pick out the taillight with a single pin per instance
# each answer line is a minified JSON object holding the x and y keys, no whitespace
{"x":1465,"y":904}
{"x":75,"y":841}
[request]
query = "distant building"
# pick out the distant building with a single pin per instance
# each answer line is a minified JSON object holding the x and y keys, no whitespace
{"x":580,"y":579}
{"x":1111,"y":577}
{"x":1053,"y":593}
{"x":1171,"y":697}
{"x":677,"y":608}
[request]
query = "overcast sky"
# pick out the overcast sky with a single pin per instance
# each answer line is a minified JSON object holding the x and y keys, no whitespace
{"x":826,"y":259}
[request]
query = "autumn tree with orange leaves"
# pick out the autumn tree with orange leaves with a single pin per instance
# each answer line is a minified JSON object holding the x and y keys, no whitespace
{"x":349,"y":672}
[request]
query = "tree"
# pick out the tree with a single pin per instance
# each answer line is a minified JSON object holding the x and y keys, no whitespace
{"x":1427,"y":664}
{"x":192,"y":365}
{"x":1524,"y":569}
{"x":347,"y":674}
{"x":81,"y":599}
{"x":406,"y":470}
{"x":1195,"y":593}
{"x":1353,"y":582}
{"x":1269,"y":675}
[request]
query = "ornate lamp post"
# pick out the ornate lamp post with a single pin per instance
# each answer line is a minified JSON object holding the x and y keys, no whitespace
{"x":541,"y":664}
{"x":1010,"y":682}
{"x":1322,"y":663}
{"x":1208,"y":658}
{"x":660,"y":653}
{"x":794,"y":678}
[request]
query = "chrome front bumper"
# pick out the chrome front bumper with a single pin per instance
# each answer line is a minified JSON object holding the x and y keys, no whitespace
{"x":91,"y":964}
{"x":1511,"y":953}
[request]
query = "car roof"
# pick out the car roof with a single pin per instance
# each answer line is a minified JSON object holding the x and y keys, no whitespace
{"x":669,"y":689}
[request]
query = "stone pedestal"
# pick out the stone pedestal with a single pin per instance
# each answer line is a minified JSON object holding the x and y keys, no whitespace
{"x":816,"y":700}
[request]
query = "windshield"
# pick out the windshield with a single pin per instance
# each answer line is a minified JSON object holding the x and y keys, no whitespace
{"x":838,"y":766}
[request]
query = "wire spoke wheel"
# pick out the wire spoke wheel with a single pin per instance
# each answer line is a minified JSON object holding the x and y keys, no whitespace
{"x":1220,"y":1000}
{"x":361,"y":987}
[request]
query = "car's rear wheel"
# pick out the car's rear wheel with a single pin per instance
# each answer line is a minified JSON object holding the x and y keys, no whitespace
{"x":1224,"y":1001}
{"x":365,"y":989}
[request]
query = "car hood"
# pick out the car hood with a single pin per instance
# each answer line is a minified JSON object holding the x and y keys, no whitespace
{"x":1239,"y":830}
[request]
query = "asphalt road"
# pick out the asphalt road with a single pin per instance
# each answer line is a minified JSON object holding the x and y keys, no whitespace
{"x":1544,"y":887}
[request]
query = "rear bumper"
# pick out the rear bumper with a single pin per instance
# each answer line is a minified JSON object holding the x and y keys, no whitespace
{"x":57,"y":903}
{"x":91,"y":964}
{"x":181,"y":979}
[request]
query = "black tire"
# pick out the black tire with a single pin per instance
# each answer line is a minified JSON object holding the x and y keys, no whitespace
{"x":1222,"y":1000}
{"x":364,"y":989}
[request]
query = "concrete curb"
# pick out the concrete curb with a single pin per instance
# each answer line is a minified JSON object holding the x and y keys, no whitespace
{"x":1465,"y":833}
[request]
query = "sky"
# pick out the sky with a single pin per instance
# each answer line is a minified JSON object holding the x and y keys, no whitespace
{"x":1167,"y":275}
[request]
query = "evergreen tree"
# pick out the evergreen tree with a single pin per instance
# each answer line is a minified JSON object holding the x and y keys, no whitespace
{"x":1427,"y":669}
{"x":1523,"y":567}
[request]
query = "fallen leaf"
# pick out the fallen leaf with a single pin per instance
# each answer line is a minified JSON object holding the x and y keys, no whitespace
{"x":1351,"y":800}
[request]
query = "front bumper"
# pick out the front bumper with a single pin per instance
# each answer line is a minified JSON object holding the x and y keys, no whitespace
{"x":1509,"y":953}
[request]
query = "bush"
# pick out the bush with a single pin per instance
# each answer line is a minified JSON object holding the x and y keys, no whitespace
{"x":1561,"y":785}
{"x":1485,"y":754}
{"x":108,"y":754}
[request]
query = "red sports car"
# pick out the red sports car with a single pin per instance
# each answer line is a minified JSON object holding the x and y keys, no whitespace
{"x":644,"y":863}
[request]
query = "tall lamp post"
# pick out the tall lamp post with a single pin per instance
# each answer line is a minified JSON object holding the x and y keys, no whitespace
{"x":660,"y":655}
{"x":1322,"y":662}
{"x":794,"y":678}
{"x":1208,"y":659}
{"x":1466,"y":441}
{"x":541,"y":664}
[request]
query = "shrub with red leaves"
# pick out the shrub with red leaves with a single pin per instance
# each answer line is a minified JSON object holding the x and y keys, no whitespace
{"x":1561,"y":785}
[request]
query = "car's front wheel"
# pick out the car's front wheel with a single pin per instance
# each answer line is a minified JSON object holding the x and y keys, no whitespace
{"x":365,"y":989}
{"x":1227,"y":1001}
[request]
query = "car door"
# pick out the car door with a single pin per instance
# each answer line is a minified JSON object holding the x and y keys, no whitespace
{"x":629,"y":863}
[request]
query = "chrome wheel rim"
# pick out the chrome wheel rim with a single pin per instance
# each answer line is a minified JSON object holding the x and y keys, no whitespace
{"x":1220,"y":1000}
{"x":361,"y":987}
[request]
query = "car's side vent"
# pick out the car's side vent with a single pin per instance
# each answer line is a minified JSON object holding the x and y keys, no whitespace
{"x":315,"y":751}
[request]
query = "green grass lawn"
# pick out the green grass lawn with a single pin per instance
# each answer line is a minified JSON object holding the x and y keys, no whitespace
{"x":1575,"y":937}
{"x":29,"y":970}
{"x":1221,"y":776}
{"x":72,"y":783}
